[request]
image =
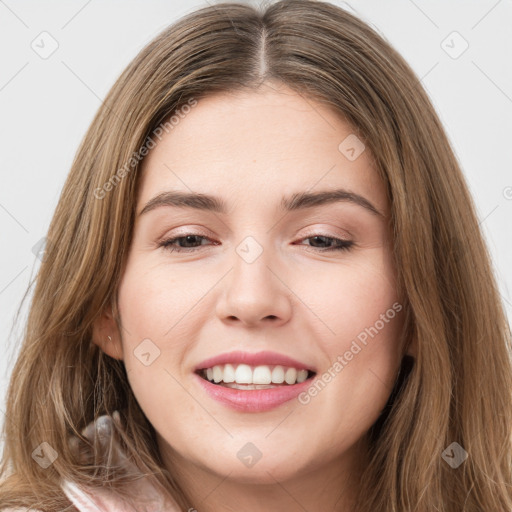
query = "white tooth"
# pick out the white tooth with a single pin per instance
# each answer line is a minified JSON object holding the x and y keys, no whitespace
{"x":245,"y":387}
{"x":261,"y":375}
{"x":290,"y":376}
{"x":243,"y":374}
{"x":217,"y":373}
{"x":278,"y":375}
{"x":229,"y":373}
{"x":302,"y":375}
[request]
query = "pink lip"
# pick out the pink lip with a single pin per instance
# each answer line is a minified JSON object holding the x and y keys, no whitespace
{"x":253,"y":359}
{"x":253,"y":400}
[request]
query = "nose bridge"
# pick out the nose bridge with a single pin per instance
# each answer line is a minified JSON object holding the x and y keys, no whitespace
{"x":251,"y":274}
{"x":251,"y":263}
{"x":253,"y":290}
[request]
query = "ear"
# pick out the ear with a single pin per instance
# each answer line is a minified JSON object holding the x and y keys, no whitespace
{"x":106,"y":335}
{"x":412,"y":348}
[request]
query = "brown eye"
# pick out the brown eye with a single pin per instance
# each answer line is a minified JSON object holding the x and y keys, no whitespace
{"x":338,"y":245}
{"x":189,"y":240}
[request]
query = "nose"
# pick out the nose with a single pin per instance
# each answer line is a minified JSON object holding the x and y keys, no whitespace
{"x":255,"y":293}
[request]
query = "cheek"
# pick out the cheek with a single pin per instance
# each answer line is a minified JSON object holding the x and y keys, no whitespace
{"x":152,"y":299}
{"x":159,"y":308}
{"x":353,"y":297}
{"x":150,"y":306}
{"x":361,"y":323}
{"x":148,"y":310}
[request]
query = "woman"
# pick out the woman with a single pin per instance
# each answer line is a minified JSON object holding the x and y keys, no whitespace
{"x":264,"y":288}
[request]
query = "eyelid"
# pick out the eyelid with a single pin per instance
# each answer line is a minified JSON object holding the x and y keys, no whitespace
{"x":183,"y":231}
{"x":325,"y":232}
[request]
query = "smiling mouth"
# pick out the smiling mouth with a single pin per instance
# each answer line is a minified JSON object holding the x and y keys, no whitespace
{"x":245,"y":377}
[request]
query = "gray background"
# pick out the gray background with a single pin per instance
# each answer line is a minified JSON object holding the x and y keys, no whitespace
{"x":47,"y":104}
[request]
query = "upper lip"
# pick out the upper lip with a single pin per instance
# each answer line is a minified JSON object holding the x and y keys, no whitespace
{"x":253,"y":359}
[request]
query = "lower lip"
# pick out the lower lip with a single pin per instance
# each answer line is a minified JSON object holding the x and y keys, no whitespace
{"x":253,"y":400}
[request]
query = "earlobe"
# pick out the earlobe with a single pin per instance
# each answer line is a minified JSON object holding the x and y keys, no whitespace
{"x":106,"y":335}
{"x":111,"y":347}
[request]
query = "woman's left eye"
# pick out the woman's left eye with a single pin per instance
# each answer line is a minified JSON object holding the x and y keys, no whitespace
{"x":337,"y":243}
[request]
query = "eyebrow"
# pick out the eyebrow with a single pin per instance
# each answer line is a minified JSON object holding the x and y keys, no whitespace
{"x":297,"y":201}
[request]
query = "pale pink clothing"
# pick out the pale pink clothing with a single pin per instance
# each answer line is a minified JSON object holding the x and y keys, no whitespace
{"x":149,"y":497}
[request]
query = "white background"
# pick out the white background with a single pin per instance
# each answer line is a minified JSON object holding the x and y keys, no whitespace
{"x":47,"y":105}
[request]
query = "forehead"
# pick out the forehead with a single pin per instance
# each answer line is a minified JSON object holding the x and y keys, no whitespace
{"x":259,"y":146}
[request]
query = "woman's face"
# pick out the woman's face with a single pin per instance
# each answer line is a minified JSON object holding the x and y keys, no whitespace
{"x":270,"y":272}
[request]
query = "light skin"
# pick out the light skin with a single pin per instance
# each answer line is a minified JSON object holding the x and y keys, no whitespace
{"x":251,"y":149}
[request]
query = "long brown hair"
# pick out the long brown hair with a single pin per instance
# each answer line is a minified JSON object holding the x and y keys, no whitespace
{"x":460,"y":386}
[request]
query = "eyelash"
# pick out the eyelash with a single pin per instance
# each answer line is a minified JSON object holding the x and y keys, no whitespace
{"x":343,"y":245}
